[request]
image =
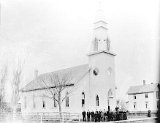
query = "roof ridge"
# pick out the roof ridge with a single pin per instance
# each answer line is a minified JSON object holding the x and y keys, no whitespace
{"x":142,"y":88}
{"x":62,"y":69}
{"x":144,"y":85}
{"x":81,"y":68}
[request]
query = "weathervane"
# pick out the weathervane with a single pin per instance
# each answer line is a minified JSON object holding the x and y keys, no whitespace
{"x":100,"y":4}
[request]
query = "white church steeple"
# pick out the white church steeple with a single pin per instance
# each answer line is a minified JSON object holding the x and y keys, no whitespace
{"x":101,"y":41}
{"x":102,"y":67}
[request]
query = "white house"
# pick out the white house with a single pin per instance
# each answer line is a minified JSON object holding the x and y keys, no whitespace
{"x":92,"y":87}
{"x":143,"y":97}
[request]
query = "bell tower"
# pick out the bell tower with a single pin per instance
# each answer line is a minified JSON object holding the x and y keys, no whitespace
{"x":102,"y":86}
{"x":101,"y":41}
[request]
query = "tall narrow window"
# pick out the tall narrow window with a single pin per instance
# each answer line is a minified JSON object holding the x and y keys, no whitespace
{"x":134,"y":96}
{"x":157,"y":94}
{"x":134,"y":105}
{"x":95,"y":44}
{"x":25,"y":102}
{"x":146,"y":105}
{"x":43,"y":104}
{"x":34,"y":105}
{"x":97,"y":100}
{"x":55,"y":104}
{"x":146,"y":95}
{"x":67,"y":99}
{"x":83,"y":99}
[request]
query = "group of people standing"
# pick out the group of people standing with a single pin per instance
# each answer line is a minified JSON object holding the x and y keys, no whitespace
{"x":96,"y":116}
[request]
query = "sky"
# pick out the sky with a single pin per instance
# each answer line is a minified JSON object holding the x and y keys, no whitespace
{"x":54,"y":34}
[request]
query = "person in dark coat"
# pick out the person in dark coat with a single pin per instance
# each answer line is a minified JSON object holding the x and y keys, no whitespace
{"x":111,"y":116}
{"x":99,"y":116}
{"x":88,"y":116}
{"x":108,"y":115}
{"x":96,"y":116}
{"x":102,"y":115}
{"x":84,"y":115}
{"x":105,"y":116}
{"x":92,"y":116}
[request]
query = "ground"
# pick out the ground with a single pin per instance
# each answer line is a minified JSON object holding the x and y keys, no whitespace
{"x":140,"y":120}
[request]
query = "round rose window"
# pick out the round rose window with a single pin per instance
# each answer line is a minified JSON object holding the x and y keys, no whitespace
{"x":95,"y":71}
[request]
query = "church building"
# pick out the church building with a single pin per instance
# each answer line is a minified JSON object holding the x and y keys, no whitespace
{"x":85,"y":87}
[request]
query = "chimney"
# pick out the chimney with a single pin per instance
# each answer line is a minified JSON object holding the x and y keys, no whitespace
{"x":144,"y":82}
{"x":35,"y":74}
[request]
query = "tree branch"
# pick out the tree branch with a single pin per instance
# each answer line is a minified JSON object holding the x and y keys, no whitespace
{"x":47,"y":87}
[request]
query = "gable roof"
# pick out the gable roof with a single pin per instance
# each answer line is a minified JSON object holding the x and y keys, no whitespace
{"x":101,"y":51}
{"x":76,"y":73}
{"x":142,"y":89}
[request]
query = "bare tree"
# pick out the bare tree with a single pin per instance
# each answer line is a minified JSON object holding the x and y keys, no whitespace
{"x":54,"y":84}
{"x":3,"y":78}
{"x":57,"y":83}
{"x":17,"y":75}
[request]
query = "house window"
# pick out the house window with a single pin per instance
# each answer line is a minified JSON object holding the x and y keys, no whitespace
{"x":54,"y":97}
{"x":34,"y":105}
{"x":43,"y":104}
{"x":146,"y":95}
{"x":25,"y":102}
{"x":134,"y":96}
{"x":146,"y":105}
{"x":67,"y":99}
{"x":134,"y":105}
{"x":83,"y":99}
{"x":157,"y":95}
{"x":97,"y":100}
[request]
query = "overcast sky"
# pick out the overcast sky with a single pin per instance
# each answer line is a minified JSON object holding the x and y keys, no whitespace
{"x":55,"y":34}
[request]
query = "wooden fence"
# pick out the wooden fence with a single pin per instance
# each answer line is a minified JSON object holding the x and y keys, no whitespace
{"x":41,"y":116}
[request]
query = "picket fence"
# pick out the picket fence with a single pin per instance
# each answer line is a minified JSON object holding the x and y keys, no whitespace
{"x":41,"y":116}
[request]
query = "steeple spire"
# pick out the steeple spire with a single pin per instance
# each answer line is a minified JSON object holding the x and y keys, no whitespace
{"x":101,"y":41}
{"x":100,"y":14}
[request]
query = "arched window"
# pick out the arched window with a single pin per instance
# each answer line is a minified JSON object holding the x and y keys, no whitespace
{"x":110,"y":93}
{"x":83,"y":99}
{"x":95,"y":44}
{"x":95,"y":71}
{"x":43,"y":104}
{"x":97,"y":100}
{"x":67,"y":99}
{"x":54,"y":97}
